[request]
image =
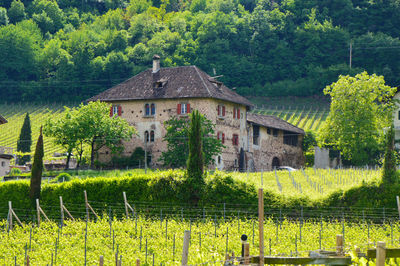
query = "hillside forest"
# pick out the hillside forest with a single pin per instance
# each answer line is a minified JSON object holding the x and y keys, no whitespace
{"x":58,"y":50}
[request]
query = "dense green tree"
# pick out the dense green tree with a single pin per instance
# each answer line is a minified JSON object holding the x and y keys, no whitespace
{"x":37,"y":169}
{"x":16,"y":12}
{"x":195,"y":161}
{"x":389,"y":173}
{"x":177,"y":142}
{"x":361,"y":107}
{"x":3,"y":17}
{"x":25,"y":141}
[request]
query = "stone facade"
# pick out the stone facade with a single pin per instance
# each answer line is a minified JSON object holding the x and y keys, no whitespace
{"x":154,"y":96}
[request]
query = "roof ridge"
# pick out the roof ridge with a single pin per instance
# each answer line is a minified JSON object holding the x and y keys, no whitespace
{"x":202,"y":80}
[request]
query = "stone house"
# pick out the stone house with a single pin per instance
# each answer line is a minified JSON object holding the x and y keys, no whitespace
{"x":155,"y":95}
{"x":5,"y":155}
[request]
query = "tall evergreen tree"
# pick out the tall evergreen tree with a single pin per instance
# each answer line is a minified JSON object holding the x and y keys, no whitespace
{"x":25,"y":141}
{"x":195,"y":162}
{"x":389,"y":165}
{"x":37,"y":169}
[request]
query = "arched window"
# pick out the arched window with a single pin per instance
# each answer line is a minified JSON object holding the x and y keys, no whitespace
{"x":147,"y":109}
{"x":153,"y":109}
{"x":152,"y":136}
{"x":146,"y":136}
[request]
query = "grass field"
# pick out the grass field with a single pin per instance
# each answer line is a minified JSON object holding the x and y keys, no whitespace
{"x":15,"y":114}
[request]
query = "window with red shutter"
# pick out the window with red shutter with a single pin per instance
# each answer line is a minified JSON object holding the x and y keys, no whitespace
{"x":219,"y":110}
{"x":238,"y":113}
{"x":119,"y":110}
{"x":235,"y":139}
{"x":223,"y":110}
{"x":234,"y":112}
{"x":111,"y":111}
{"x":223,"y":138}
{"x":178,"y":109}
{"x":188,"y":108}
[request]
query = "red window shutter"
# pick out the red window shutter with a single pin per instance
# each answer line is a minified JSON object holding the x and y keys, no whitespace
{"x":223,"y":138}
{"x":119,"y":110}
{"x":111,"y":111}
{"x":223,"y":110}
{"x":238,"y":113}
{"x":188,"y":108}
{"x":234,"y":112}
{"x":178,"y":109}
{"x":218,"y":109}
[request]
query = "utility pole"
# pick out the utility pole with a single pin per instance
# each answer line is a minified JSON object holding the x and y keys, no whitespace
{"x":351,"y":52}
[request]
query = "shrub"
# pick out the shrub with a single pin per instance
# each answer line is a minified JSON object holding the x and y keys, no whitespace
{"x":15,"y":172}
{"x":63,"y":177}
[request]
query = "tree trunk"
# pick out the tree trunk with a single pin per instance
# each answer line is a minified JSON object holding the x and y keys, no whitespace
{"x":68,"y":159}
{"x":92,"y":153}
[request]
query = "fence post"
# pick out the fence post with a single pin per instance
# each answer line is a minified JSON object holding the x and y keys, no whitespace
{"x":101,"y":261}
{"x":246,"y":253}
{"x":86,"y":205}
{"x":185,"y":249}
{"x":38,"y":212}
{"x":339,"y":245}
{"x":380,"y":253}
{"x":62,"y":211}
{"x":137,"y":262}
{"x":10,"y":211}
{"x":261,"y":224}
{"x":125,"y":203}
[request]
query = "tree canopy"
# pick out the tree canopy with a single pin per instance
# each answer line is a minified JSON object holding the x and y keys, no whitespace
{"x":177,"y":137}
{"x":71,"y":50}
{"x":361,"y":108}
{"x":89,"y":127}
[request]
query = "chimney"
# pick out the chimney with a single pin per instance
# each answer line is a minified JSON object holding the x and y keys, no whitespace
{"x":156,"y":63}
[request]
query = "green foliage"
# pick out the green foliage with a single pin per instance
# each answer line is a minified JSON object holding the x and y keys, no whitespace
{"x":89,"y":126}
{"x":389,"y":174}
{"x":37,"y":169}
{"x":3,"y":17}
{"x":177,"y":144}
{"x":63,"y":177}
{"x":16,"y":12}
{"x":361,"y":107}
{"x":15,"y":172}
{"x":195,"y":162}
{"x":25,"y":141}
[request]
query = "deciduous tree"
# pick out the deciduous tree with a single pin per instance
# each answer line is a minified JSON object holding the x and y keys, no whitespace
{"x":361,"y":107}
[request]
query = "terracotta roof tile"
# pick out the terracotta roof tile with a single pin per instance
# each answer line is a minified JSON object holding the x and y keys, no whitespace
{"x":174,"y":83}
{"x":273,"y":122}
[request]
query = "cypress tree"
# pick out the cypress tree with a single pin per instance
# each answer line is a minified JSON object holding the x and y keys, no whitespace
{"x":195,"y":162}
{"x":37,"y":168}
{"x":389,"y":175}
{"x":25,"y":141}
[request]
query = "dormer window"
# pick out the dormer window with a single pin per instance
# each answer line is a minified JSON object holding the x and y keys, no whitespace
{"x":221,"y":110}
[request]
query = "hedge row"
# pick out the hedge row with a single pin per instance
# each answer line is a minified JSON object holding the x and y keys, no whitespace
{"x":169,"y":188}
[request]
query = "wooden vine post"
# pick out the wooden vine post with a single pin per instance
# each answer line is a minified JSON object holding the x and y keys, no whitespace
{"x":339,"y":245}
{"x":261,"y":224}
{"x":11,"y":213}
{"x":380,"y":253}
{"x":185,"y":249}
{"x":40,"y":211}
{"x":88,"y":207}
{"x":63,"y":208}
{"x":127,"y":205}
